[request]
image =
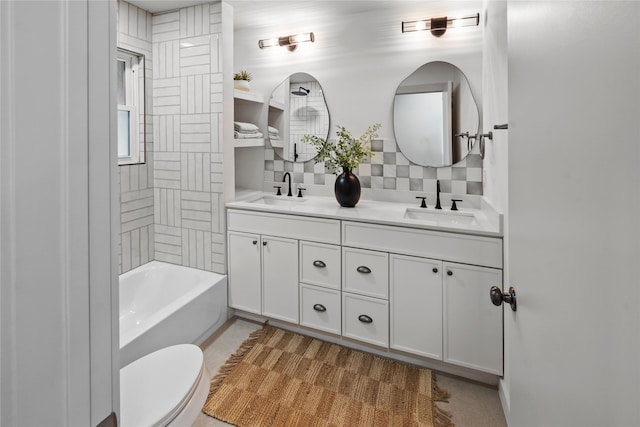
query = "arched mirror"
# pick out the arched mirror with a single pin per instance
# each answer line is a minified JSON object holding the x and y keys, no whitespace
{"x":435,"y":117}
{"x":296,"y":108}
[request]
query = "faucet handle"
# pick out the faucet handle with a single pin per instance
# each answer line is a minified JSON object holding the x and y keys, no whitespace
{"x":300,"y":191}
{"x":423,"y":204}
{"x":454,"y":207}
{"x":278,"y":193}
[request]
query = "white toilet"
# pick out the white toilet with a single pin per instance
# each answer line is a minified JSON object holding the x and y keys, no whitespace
{"x":165,"y":388}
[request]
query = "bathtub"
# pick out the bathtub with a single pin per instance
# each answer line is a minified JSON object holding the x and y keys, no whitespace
{"x":165,"y":304}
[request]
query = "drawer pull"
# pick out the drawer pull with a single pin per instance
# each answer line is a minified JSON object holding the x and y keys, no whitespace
{"x":264,"y":243}
{"x":319,"y":264}
{"x":364,"y":270}
{"x":255,"y":242}
{"x":449,"y":273}
{"x":319,"y":307}
{"x":365,"y":319}
{"x":435,"y":269}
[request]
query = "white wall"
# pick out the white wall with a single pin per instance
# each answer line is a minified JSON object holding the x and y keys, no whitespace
{"x":574,"y":209}
{"x":359,"y":57}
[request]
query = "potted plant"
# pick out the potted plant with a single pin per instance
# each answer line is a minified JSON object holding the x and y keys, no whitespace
{"x":241,"y":80}
{"x":345,"y":154}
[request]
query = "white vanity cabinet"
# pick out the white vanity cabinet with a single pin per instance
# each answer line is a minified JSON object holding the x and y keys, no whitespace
{"x":280,"y":278}
{"x":245,"y":270}
{"x":415,"y":287}
{"x":408,"y":291}
{"x":264,"y":265}
{"x":320,"y":303}
{"x":264,"y":273}
{"x":439,"y":292}
{"x":472,"y":325}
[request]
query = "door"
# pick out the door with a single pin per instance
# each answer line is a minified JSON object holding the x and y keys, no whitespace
{"x":280,"y":278}
{"x":472,"y":325}
{"x":244,"y":272}
{"x":573,"y":216}
{"x":415,"y":298}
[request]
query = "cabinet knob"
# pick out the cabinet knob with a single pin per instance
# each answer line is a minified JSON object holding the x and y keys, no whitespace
{"x":434,"y":269}
{"x":264,"y":243}
{"x":449,"y":273}
{"x":319,"y":307}
{"x":319,"y":264}
{"x":364,"y":270}
{"x":365,"y":319}
{"x":255,"y":242}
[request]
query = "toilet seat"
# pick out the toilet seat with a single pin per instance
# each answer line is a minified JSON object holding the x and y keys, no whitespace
{"x":156,"y":388}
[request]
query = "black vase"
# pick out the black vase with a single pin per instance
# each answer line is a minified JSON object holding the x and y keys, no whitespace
{"x":347,"y":189}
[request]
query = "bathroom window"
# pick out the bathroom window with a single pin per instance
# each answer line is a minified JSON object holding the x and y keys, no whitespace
{"x":131,"y":95}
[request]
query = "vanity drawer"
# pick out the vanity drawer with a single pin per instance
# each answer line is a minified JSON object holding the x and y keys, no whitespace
{"x":466,"y":249}
{"x":292,"y":226}
{"x":365,"y":319}
{"x":320,"y":308}
{"x":320,"y":264}
{"x":365,"y":272}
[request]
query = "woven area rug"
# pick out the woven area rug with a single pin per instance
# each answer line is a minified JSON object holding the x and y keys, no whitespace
{"x":279,"y":378}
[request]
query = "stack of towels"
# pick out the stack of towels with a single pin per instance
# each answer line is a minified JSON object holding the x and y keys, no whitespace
{"x":273,"y":133}
{"x":244,"y":130}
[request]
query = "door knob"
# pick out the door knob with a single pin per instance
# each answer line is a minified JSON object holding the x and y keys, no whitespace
{"x":497,"y":297}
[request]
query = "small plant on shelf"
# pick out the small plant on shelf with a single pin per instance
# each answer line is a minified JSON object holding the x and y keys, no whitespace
{"x":242,"y":75}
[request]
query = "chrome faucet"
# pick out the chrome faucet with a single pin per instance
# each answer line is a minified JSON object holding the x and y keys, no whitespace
{"x":438,"y":195}
{"x":284,"y":179}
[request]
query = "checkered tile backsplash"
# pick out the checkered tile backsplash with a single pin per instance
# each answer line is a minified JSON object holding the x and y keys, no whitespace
{"x":388,"y":169}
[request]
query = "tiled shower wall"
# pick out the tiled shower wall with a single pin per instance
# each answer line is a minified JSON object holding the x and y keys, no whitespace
{"x":187,"y":134}
{"x":136,"y":181}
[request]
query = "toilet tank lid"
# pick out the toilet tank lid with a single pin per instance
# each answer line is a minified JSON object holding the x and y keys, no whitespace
{"x":154,"y":388}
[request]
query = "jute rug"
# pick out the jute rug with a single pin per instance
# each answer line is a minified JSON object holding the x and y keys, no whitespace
{"x":279,"y":378}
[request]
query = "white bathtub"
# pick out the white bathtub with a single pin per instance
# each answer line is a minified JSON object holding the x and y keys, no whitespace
{"x":164,"y":304}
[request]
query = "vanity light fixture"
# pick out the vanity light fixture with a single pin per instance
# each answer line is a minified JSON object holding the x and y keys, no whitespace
{"x":438,"y":26}
{"x":291,"y":42}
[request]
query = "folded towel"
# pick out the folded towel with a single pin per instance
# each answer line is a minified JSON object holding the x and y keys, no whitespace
{"x":245,"y":127}
{"x":273,"y":130}
{"x":240,"y":135}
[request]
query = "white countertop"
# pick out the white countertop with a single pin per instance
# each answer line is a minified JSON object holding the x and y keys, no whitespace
{"x":483,"y":221}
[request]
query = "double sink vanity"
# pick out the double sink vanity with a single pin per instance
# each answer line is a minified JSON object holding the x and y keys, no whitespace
{"x":403,"y":280}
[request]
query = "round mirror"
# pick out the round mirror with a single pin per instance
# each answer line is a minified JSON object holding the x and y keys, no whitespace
{"x":297,"y":108}
{"x":435,"y":117}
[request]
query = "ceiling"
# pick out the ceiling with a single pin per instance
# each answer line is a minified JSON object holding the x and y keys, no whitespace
{"x":157,"y":6}
{"x":248,"y":13}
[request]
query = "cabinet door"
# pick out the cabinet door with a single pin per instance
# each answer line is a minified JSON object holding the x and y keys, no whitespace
{"x":472,"y":325}
{"x":416,"y":305}
{"x":244,"y":272}
{"x":280,"y":278}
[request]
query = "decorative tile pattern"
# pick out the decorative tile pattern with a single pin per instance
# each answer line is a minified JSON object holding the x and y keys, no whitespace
{"x":388,"y":169}
{"x":137,"y":181}
{"x":187,"y":100}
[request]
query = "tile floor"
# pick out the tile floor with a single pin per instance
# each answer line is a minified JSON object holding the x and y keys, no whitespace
{"x":471,"y":404}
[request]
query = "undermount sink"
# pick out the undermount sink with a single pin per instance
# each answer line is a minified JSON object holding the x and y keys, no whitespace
{"x":441,"y":216}
{"x":280,"y":200}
